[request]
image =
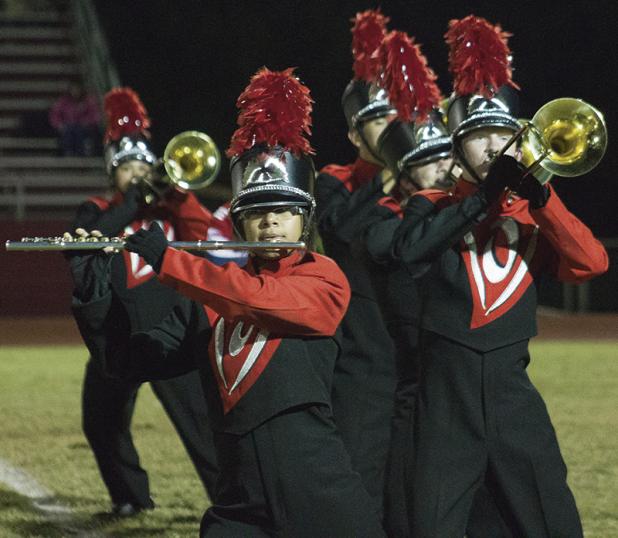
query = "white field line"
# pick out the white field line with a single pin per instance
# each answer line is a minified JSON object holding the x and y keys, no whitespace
{"x":43,"y":500}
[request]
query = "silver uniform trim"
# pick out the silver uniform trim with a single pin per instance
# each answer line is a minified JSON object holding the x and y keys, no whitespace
{"x":146,"y":155}
{"x":427,"y":145}
{"x":256,"y":350}
{"x":271,"y":188}
{"x":372,"y":106}
{"x":479,"y":119}
{"x":519,"y":274}
{"x":219,"y":343}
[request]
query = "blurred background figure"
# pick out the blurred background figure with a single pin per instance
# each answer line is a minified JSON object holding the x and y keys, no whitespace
{"x":75,"y":116}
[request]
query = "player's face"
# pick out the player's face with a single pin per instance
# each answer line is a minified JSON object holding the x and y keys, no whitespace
{"x":481,"y":145}
{"x":372,"y":129}
{"x":127,"y":171}
{"x":433,"y":175}
{"x":273,"y":224}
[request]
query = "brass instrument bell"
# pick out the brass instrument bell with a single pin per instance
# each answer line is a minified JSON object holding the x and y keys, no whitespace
{"x":567,"y":137}
{"x":192,"y":160}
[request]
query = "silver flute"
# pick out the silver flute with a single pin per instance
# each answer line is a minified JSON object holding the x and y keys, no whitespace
{"x":34,"y":244}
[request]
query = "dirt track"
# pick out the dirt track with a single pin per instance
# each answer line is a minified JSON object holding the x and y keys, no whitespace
{"x":63,"y":331}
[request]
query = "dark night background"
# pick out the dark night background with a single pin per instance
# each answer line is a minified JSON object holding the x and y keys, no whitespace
{"x":190,"y":59}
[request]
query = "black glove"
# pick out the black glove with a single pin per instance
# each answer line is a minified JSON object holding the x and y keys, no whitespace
{"x":133,"y":197}
{"x":149,"y":244}
{"x":504,"y":172}
{"x":91,"y":275}
{"x":530,"y":189}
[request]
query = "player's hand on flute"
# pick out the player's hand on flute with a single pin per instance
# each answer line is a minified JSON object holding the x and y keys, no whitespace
{"x":83,"y":234}
{"x":90,"y":270}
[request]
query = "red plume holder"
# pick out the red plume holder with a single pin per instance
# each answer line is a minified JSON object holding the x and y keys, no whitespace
{"x":125,"y":113}
{"x":275,"y":109}
{"x":409,"y":81}
{"x":368,"y":31}
{"x":479,"y":56}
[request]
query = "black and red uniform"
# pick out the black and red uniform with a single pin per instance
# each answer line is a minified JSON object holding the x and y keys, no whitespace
{"x":364,"y":382}
{"x":108,"y":400}
{"x":401,"y":308}
{"x":478,"y":418}
{"x":263,"y":339}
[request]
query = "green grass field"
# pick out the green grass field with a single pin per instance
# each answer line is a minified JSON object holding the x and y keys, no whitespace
{"x":40,"y":392}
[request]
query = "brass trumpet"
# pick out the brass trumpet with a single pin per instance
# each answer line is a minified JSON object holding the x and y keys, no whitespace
{"x":34,"y":244}
{"x":567,"y":137}
{"x":191,"y":161}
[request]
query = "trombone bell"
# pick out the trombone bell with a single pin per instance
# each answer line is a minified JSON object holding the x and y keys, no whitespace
{"x":192,"y":160}
{"x":567,"y":137}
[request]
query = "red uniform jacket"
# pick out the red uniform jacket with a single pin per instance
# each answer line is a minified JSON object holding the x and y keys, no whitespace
{"x":270,"y":331}
{"x":479,"y":273}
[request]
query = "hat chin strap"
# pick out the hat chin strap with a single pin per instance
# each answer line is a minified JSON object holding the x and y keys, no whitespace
{"x":359,"y":130}
{"x":464,"y":162}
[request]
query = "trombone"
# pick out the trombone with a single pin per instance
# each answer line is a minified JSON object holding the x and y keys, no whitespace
{"x":566,"y":137}
{"x":191,"y":161}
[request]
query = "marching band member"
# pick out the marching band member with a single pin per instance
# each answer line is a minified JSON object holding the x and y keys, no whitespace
{"x":364,"y":381}
{"x":478,"y":253}
{"x":417,"y":150}
{"x":108,"y":402}
{"x":263,"y":337}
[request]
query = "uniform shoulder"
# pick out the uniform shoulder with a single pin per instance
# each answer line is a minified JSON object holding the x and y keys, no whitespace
{"x":433,"y":195}
{"x":313,"y":262}
{"x":391,"y":204}
{"x":100,"y":202}
{"x":341,"y":172}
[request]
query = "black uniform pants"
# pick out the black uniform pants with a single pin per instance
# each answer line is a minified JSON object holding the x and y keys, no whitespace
{"x":290,"y":477}
{"x":479,"y":420}
{"x":364,"y":392}
{"x":485,"y":520}
{"x":107,"y":409}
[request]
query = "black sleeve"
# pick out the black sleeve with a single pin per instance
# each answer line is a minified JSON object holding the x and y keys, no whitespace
{"x":169,"y":349}
{"x":104,"y":326}
{"x":341,"y":213}
{"x":164,"y":352}
{"x":110,"y":222}
{"x":425,"y":232}
{"x":378,"y":237}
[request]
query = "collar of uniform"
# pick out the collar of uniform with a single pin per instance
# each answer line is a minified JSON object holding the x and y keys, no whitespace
{"x":397,"y":194}
{"x":510,"y":204}
{"x":465,"y":188}
{"x":275,"y":267}
{"x":363,"y":171}
{"x":117,"y":198}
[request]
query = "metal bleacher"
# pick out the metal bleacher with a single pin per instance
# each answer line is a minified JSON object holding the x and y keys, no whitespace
{"x":43,"y":46}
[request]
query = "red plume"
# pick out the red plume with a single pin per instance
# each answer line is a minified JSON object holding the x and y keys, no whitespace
{"x":126,"y":114}
{"x":479,"y":56}
{"x":408,"y":80}
{"x":367,"y":33}
{"x":275,"y":109}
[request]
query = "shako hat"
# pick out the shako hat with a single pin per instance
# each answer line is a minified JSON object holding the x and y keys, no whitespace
{"x":364,"y":99}
{"x":270,"y":154}
{"x":484,"y":93}
{"x":418,"y":135}
{"x":126,"y":136}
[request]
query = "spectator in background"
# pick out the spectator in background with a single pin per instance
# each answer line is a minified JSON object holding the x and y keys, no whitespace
{"x":76,"y":116}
